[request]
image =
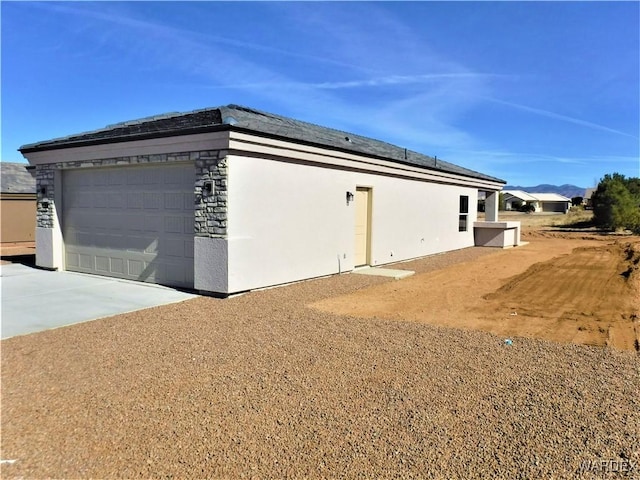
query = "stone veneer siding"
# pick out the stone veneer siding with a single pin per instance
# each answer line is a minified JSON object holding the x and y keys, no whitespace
{"x":210,"y":211}
{"x":45,"y":213}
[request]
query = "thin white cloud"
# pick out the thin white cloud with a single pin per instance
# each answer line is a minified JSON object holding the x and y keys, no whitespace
{"x":506,"y":157}
{"x":557,"y":116}
{"x":401,"y":80}
{"x":392,"y":80}
{"x":186,"y":35}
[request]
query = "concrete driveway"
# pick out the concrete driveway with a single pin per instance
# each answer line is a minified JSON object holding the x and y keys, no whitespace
{"x":34,"y":300}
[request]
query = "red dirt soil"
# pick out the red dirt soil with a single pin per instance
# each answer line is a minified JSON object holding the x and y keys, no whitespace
{"x":564,"y":287}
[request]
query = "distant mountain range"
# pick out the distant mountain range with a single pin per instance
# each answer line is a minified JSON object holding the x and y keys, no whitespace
{"x":567,"y":190}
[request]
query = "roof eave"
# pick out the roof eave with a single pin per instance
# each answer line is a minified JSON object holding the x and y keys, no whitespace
{"x":336,"y":148}
{"x":47,"y":146}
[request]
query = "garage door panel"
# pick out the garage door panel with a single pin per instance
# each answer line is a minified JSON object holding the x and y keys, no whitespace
{"x":136,"y":223}
{"x":152,"y":248}
{"x":99,"y":201}
{"x":189,"y":226}
{"x":110,"y":222}
{"x":81,"y":178}
{"x":174,"y":247}
{"x":80,"y":200}
{"x":102,"y":264}
{"x":117,"y":244}
{"x":153,"y":176}
{"x":189,"y":202}
{"x":77,"y":219}
{"x":153,"y":223}
{"x":73,"y":260}
{"x":176,"y":271}
{"x":95,"y":179}
{"x":139,"y":244}
{"x":188,"y":249}
{"x":86,"y":239}
{"x":117,"y":200}
{"x":173,"y":201}
{"x":135,"y":200}
{"x":96,"y":240}
{"x":152,"y":200}
{"x":116,"y":266}
{"x":103,"y":234}
{"x":173,"y":224}
{"x":116,"y":176}
{"x":135,"y":177}
{"x":136,"y":267}
{"x":172,"y":178}
{"x":86,"y":261}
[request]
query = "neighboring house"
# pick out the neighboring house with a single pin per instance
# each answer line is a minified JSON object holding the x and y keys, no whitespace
{"x":17,"y":203}
{"x":231,"y":199}
{"x":588,"y":195}
{"x":542,"y":202}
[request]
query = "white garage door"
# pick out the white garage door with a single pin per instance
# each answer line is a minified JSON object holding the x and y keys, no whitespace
{"x":133,"y":222}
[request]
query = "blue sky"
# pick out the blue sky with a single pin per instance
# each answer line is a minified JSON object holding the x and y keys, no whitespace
{"x":531,"y":92}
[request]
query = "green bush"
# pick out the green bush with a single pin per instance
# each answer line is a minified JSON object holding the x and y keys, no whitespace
{"x":616,"y":203}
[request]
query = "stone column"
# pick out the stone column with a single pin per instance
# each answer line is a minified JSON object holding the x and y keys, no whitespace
{"x":211,"y":247}
{"x":49,"y":244}
{"x":491,"y":206}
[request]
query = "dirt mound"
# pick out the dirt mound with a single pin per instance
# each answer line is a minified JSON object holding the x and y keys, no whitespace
{"x":584,"y":297}
{"x":632,"y":258}
{"x":560,"y":287}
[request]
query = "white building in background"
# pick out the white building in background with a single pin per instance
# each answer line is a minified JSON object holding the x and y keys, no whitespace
{"x":542,"y":202}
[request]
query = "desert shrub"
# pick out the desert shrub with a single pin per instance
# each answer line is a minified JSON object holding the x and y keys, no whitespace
{"x":616,"y":203}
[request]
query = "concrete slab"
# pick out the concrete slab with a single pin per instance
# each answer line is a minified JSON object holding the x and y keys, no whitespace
{"x":384,"y":272}
{"x":34,"y":300}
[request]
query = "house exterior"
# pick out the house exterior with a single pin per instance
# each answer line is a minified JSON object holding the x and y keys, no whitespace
{"x":17,"y":203}
{"x":541,"y":202}
{"x":587,"y":200}
{"x":230,"y":199}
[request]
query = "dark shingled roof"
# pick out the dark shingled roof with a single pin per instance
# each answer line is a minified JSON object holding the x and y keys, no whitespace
{"x":15,"y":178}
{"x":242,"y":118}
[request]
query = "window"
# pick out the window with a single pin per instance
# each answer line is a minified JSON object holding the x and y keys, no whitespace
{"x":464,"y":204}
{"x":464,"y":210}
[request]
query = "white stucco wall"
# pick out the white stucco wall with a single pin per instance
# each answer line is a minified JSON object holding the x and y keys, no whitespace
{"x":286,"y":222}
{"x":210,"y":272}
{"x":49,"y":248}
{"x":289,"y":221}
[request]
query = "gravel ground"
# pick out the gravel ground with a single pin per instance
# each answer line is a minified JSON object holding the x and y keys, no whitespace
{"x":261,"y":386}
